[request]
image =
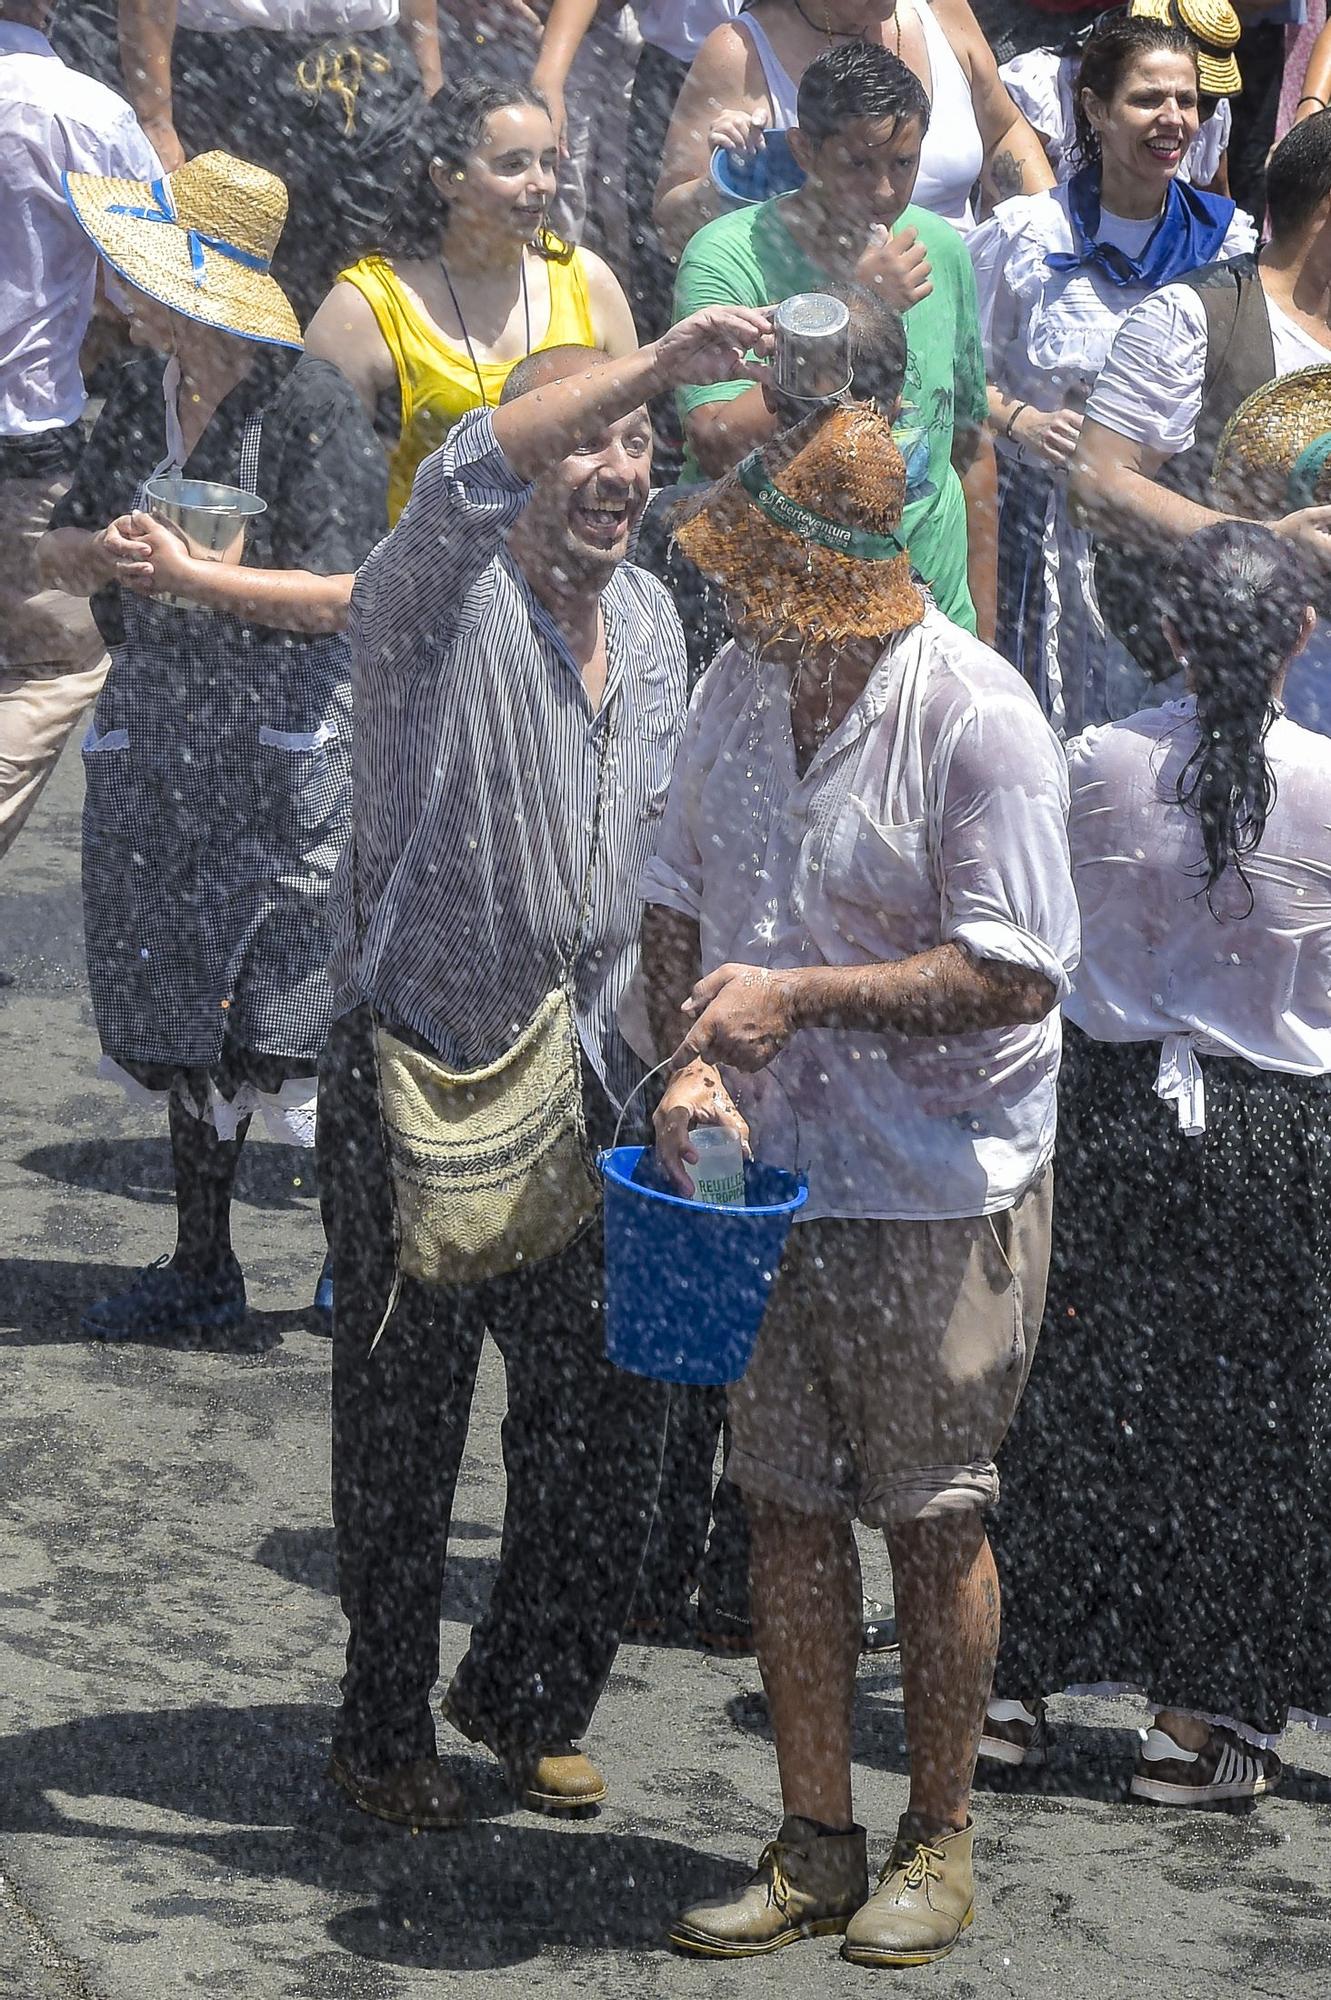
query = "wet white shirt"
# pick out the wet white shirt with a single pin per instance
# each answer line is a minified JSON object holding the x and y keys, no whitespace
{"x":293,"y":17}
{"x":1150,"y":388}
{"x":1156,"y":965}
{"x":53,"y":119}
{"x":935,"y":813}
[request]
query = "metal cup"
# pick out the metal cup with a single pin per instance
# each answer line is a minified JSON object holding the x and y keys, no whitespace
{"x":812,"y":356}
{"x":211,"y":517}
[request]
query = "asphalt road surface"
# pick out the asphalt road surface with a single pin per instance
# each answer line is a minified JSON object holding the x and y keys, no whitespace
{"x":170,"y":1644}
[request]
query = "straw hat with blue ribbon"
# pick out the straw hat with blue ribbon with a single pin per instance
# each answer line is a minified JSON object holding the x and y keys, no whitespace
{"x":199,"y":241}
{"x":805,"y":532}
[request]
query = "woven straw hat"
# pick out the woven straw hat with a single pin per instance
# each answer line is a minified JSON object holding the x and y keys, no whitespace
{"x":805,"y":531}
{"x":1215,"y":28}
{"x":1276,"y":449}
{"x":199,"y":241}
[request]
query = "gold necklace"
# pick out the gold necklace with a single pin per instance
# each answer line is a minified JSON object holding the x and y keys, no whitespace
{"x":848,"y":34}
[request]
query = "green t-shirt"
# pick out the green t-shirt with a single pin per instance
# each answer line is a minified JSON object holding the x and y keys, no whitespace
{"x":748,"y":257}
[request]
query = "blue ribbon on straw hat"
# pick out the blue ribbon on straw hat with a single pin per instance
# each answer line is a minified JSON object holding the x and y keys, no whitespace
{"x":198,"y":242}
{"x":212,"y":262}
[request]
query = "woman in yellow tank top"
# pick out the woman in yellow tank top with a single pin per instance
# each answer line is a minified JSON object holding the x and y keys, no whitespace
{"x":469,"y":281}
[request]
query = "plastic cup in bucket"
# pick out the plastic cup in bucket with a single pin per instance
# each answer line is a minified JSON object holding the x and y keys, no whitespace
{"x":211,"y":517}
{"x":687,"y":1281}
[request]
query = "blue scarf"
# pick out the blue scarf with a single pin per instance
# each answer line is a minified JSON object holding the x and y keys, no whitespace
{"x":1188,"y":234}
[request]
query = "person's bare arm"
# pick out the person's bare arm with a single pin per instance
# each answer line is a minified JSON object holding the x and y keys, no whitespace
{"x":722,"y":96}
{"x":83,"y":560}
{"x":291,"y":600}
{"x":566,"y":26}
{"x":147,"y":37}
{"x":695,"y":1095}
{"x":612,"y":316}
{"x":709,"y":346}
{"x":1316,"y":79}
{"x":419,"y":22}
{"x":721,"y":434}
{"x":745,"y":1014}
{"x":1014,"y":158}
{"x":977,"y":468}
{"x":345,"y":331}
{"x":1114,"y":492}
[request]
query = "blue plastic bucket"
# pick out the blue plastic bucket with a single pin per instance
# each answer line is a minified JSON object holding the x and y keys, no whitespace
{"x":745,"y":178}
{"x":686,"y":1282}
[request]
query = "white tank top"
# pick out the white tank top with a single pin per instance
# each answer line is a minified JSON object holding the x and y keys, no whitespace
{"x":952,"y":155}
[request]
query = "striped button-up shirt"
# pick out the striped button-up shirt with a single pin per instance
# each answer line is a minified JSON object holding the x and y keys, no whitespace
{"x":476,"y":759}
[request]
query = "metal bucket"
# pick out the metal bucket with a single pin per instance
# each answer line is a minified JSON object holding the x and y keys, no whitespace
{"x":212,"y":518}
{"x":812,"y":360}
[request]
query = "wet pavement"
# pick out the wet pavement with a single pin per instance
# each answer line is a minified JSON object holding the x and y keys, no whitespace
{"x":170,"y":1643}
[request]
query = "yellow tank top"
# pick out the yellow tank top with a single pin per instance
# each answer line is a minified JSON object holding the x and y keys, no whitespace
{"x":436,"y":379}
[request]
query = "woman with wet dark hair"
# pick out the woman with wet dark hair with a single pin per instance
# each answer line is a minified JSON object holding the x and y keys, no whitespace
{"x":1163,"y":1525}
{"x":470,"y":279}
{"x":1056,"y":274}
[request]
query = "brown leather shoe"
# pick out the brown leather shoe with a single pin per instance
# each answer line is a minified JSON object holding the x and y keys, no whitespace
{"x":417,"y":1795}
{"x":806,"y":1884}
{"x":924,"y":1900}
{"x":546,"y":1778}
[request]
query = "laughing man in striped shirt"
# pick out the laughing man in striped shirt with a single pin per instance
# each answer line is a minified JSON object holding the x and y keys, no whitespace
{"x":497,"y":634}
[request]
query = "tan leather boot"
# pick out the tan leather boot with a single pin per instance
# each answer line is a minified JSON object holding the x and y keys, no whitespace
{"x":924,"y":1900}
{"x":806,"y":1884}
{"x":547,"y":1778}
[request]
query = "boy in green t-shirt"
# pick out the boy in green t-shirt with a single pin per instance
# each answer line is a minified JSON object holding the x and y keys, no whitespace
{"x":862,"y":117}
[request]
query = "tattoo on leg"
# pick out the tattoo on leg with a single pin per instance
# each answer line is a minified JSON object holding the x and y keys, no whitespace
{"x":1008,"y":175}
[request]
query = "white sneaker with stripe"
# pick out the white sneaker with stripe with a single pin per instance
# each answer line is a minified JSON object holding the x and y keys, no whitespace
{"x":1225,"y":1768}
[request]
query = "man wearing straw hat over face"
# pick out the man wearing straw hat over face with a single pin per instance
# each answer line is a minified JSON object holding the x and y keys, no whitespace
{"x":861,"y":900}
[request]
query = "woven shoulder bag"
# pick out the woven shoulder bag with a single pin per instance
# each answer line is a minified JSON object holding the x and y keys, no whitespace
{"x":491,"y":1168}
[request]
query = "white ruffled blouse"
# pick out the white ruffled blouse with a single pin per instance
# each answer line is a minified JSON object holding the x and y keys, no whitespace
{"x":1047,"y":333}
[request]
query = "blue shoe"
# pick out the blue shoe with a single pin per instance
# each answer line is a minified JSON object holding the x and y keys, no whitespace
{"x":323,"y":1298}
{"x":162,"y":1302}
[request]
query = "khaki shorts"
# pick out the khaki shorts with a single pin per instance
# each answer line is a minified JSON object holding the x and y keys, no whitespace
{"x":890,"y":1363}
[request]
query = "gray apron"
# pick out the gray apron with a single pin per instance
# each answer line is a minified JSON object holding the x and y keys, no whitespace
{"x":218,"y":797}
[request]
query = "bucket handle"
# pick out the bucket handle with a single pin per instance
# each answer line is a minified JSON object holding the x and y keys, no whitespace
{"x":665,"y":1064}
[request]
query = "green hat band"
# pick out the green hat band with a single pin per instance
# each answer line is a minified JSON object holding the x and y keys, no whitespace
{"x":1307,"y":470}
{"x":810,"y":527}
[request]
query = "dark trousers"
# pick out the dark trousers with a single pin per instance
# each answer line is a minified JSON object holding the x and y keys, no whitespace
{"x":582,"y":1456}
{"x":1261,"y":57}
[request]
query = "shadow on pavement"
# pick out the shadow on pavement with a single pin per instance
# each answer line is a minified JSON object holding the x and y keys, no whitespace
{"x":44,"y":1298}
{"x":268,"y":1176}
{"x":495,"y":1893}
{"x":309,"y":1556}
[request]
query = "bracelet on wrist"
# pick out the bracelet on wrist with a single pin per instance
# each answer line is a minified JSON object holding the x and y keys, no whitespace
{"x":1007,"y":428}
{"x":1310,"y":99}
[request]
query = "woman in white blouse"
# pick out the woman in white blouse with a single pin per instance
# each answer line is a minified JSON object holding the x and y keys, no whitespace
{"x":1056,"y":273}
{"x":1164,"y":1518}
